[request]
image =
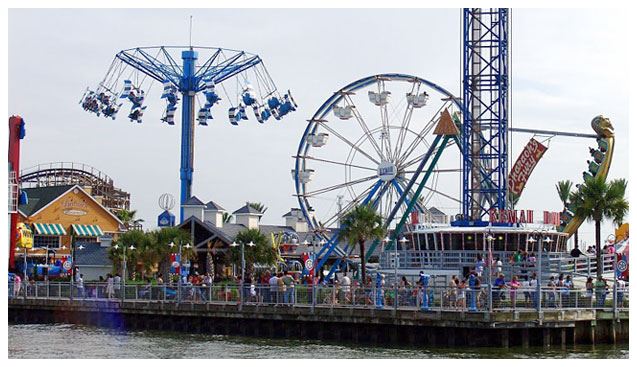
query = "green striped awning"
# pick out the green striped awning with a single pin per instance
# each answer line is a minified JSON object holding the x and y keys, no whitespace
{"x":88,"y":230}
{"x":49,"y":229}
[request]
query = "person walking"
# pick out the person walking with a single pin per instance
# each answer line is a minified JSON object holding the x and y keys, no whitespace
{"x":514,"y":284}
{"x":589,"y":290}
{"x":274,"y":288}
{"x":110,"y":291}
{"x":281,"y":289}
{"x":552,"y":291}
{"x":117,"y":280}
{"x":80,"y":286}
{"x":600,"y":292}
{"x":346,"y":283}
{"x":17,"y":284}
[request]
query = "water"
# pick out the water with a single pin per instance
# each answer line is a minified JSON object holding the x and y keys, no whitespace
{"x":76,"y":341}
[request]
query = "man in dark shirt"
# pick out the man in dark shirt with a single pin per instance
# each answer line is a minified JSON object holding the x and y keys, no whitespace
{"x":576,"y":251}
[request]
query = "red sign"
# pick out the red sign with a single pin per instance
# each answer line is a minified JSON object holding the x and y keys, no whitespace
{"x":414,"y":217}
{"x":523,"y":167}
{"x":510,"y":216}
{"x":521,"y":216}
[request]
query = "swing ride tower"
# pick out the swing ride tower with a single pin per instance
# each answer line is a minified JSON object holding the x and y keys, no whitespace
{"x":239,"y":75}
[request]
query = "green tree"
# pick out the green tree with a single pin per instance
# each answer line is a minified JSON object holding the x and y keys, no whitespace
{"x":598,"y":200}
{"x":262,"y":253}
{"x":128,"y":218}
{"x":258,"y":206}
{"x":161,"y":240}
{"x":564,"y":189}
{"x":361,"y":224}
{"x":151,"y":249}
{"x":136,"y":238}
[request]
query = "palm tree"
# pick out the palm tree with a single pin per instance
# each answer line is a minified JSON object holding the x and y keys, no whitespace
{"x":564,"y":189}
{"x":263,"y":253}
{"x":597,"y":200}
{"x":128,"y":218}
{"x":258,"y":206}
{"x":136,"y":238}
{"x":162,"y":238}
{"x":361,"y":224}
{"x":226,"y":217}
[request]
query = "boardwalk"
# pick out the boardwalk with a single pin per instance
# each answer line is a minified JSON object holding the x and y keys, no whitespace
{"x":325,"y":314}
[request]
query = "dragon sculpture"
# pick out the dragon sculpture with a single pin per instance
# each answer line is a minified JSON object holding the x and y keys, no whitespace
{"x":597,"y":167}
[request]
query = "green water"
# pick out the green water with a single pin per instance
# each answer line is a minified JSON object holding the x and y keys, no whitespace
{"x":75,"y":341}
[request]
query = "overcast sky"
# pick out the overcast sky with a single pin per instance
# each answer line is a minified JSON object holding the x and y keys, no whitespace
{"x":567,"y":67}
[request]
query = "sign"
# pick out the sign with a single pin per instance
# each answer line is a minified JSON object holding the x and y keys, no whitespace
{"x":524,"y":166}
{"x":74,"y":207}
{"x":510,"y":216}
{"x":414,"y":217}
{"x":309,"y":264}
{"x":386,"y":171}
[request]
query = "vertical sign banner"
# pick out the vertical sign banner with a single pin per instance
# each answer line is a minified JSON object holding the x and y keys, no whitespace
{"x":524,"y":166}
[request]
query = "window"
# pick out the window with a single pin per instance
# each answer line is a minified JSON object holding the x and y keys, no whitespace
{"x":85,"y":239}
{"x":456,"y":241}
{"x":46,"y":241}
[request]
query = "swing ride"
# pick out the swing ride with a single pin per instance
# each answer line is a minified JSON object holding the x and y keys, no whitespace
{"x":239,"y":77}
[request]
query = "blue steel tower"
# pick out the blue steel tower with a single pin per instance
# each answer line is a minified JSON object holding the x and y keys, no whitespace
{"x":486,"y":99}
{"x":188,"y":88}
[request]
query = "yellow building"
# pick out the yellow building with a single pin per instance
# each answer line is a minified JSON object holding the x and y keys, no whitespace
{"x":64,"y":215}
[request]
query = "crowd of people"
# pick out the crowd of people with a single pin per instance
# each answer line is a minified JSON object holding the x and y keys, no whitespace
{"x":284,"y":288}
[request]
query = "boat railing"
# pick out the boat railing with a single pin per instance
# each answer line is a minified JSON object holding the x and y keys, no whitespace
{"x":552,"y":262}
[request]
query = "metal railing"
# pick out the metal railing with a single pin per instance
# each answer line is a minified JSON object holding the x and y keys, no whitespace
{"x":553,"y":262}
{"x":480,"y":299}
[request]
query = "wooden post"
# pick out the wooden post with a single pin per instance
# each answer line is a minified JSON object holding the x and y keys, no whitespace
{"x":525,"y":338}
{"x":546,"y":338}
{"x":505,"y":338}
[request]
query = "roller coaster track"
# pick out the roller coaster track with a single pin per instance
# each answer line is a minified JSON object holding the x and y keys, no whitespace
{"x":73,"y":173}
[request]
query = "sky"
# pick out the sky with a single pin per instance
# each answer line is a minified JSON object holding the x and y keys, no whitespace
{"x":564,"y":72}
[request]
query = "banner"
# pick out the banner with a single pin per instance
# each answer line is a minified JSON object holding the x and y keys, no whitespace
{"x":523,"y":167}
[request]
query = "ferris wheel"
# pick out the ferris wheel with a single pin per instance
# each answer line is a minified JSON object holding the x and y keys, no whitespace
{"x":364,"y":145}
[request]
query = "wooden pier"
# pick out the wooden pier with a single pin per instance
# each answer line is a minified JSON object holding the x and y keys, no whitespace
{"x":359,"y":325}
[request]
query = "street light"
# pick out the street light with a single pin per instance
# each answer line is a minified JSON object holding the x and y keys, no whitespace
{"x":187,"y":246}
{"x":490,"y":239}
{"x":243,"y":265}
{"x":124,"y":266}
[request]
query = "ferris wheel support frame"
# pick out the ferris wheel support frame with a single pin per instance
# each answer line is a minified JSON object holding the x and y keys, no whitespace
{"x":331,"y":244}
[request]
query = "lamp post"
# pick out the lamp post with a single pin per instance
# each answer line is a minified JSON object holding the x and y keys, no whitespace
{"x":243,"y":266}
{"x":547,"y":240}
{"x":171,"y":245}
{"x":322,"y":242}
{"x":124,"y":267}
{"x":538,"y":286}
{"x":490,"y":239}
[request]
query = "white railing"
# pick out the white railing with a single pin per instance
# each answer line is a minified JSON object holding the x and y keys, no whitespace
{"x":484,"y":298}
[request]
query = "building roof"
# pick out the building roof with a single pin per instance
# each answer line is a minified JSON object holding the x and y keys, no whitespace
{"x":289,"y":214}
{"x":92,"y":254}
{"x":435,"y":211}
{"x":39,"y":197}
{"x":193,"y":201}
{"x":247,"y":209}
{"x":211,"y":205}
